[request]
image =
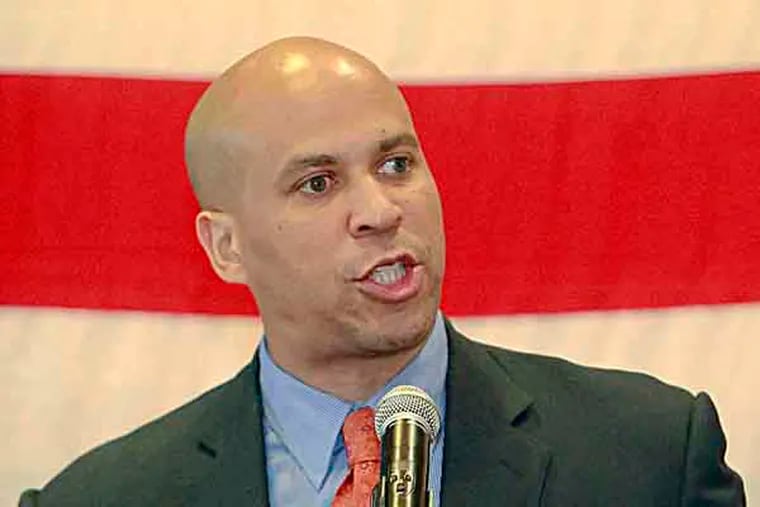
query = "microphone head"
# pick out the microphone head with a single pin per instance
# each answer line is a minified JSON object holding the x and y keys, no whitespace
{"x":407,"y":402}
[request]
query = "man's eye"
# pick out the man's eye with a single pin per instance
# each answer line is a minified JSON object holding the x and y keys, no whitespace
{"x":395,"y":166}
{"x":318,"y":184}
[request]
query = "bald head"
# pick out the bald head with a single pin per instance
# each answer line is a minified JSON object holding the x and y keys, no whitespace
{"x":306,"y":162}
{"x":265,"y":90}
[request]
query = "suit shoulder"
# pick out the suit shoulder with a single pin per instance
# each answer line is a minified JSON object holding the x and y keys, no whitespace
{"x":630,"y":421}
{"x":154,"y":450}
{"x":553,"y":378}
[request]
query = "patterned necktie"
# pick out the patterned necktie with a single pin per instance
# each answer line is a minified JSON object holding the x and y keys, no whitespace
{"x":363,"y":452}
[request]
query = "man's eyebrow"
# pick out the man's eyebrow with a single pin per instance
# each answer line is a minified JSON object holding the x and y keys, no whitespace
{"x":405,"y":139}
{"x":300,"y":163}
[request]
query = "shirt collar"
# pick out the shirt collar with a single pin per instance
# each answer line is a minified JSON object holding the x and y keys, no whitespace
{"x":308,"y":421}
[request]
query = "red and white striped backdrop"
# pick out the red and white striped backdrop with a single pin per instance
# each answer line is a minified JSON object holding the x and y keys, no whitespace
{"x":599,"y":164}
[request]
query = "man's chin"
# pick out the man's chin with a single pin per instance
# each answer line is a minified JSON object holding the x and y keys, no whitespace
{"x":399,"y":333}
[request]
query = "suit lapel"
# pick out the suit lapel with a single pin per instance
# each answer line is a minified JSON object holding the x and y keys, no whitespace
{"x":488,"y":458}
{"x":234,"y":445}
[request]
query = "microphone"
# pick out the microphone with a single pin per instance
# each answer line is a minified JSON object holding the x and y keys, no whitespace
{"x":407,"y":423}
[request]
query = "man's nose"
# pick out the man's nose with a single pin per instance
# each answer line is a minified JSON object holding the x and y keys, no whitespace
{"x":373,"y":211}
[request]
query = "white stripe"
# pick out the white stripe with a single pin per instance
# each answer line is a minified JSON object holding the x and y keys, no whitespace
{"x":81,"y":377}
{"x":419,"y":40}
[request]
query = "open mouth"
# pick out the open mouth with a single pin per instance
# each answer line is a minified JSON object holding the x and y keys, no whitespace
{"x":393,"y":280}
{"x":388,"y":274}
{"x":390,"y":271}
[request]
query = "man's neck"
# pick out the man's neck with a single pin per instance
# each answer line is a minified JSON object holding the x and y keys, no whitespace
{"x":349,"y":377}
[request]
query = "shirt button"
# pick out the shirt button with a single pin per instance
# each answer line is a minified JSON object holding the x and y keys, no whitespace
{"x":364,"y":466}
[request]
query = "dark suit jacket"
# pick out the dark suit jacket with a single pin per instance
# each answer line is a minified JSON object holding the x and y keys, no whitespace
{"x":522,"y":430}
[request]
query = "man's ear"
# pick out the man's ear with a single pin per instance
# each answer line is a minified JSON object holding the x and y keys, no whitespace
{"x":217,"y":235}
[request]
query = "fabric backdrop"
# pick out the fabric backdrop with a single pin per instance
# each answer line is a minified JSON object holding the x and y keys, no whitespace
{"x":599,"y":164}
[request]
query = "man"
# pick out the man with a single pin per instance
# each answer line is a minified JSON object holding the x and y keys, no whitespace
{"x":315,"y":194}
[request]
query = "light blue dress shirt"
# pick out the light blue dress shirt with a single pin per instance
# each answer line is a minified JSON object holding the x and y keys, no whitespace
{"x":306,"y":460}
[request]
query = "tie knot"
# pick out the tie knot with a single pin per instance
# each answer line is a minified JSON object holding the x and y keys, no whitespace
{"x":359,"y":437}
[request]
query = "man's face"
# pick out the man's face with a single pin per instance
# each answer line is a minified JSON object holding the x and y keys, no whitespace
{"x":340,"y":224}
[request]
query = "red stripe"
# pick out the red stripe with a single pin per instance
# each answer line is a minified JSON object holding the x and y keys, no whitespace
{"x":570,"y":196}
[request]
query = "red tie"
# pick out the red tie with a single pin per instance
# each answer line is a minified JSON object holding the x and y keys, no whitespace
{"x":363,"y":452}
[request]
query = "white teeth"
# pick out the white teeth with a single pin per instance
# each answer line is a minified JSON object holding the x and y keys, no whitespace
{"x":387,"y":275}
